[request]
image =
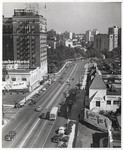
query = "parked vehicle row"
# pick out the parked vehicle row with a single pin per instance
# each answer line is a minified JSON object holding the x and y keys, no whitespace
{"x":63,"y":134}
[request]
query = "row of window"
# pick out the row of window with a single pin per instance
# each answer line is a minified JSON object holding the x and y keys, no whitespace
{"x":23,"y":79}
{"x":108,"y":103}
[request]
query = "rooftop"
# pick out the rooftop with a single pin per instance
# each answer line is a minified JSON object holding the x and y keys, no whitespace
{"x":98,"y":83}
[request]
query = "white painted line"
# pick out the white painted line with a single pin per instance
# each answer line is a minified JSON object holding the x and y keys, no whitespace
{"x":7,"y":110}
{"x":48,"y":135}
{"x":29,"y":133}
{"x":38,"y":134}
{"x":15,"y":114}
{"x":21,"y":132}
{"x":14,"y":129}
{"x":18,"y":125}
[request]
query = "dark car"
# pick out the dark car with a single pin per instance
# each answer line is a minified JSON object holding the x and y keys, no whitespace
{"x":43,"y":116}
{"x":56,"y":138}
{"x":63,"y":145}
{"x":67,"y":131}
{"x":12,"y":133}
{"x":9,"y":137}
{"x":62,"y":102}
{"x":65,"y":139}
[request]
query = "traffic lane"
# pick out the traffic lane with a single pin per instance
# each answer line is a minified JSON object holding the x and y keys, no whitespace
{"x":25,"y":118}
{"x":47,"y":128}
{"x":60,"y":121}
{"x":44,"y":131}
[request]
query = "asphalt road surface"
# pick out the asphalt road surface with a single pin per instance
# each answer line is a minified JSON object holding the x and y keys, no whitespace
{"x":33,"y":132}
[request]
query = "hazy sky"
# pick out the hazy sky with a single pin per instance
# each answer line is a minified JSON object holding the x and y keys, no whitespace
{"x":75,"y":16}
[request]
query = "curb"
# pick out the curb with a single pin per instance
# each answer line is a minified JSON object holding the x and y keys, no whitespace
{"x":5,"y":105}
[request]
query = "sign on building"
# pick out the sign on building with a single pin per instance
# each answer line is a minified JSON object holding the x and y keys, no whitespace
{"x":100,"y":121}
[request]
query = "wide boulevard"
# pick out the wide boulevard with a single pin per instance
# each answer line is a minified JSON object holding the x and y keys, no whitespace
{"x":32,"y":131}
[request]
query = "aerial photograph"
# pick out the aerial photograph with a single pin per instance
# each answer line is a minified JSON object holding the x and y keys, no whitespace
{"x":61,"y":74}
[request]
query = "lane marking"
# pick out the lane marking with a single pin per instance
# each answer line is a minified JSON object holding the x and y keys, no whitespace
{"x":21,"y":132}
{"x":29,"y":134}
{"x":14,"y":130}
{"x":48,"y":134}
{"x":38,"y":135}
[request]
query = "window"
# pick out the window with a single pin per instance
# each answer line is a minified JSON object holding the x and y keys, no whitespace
{"x":13,"y":79}
{"x":115,"y":102}
{"x":98,"y":103}
{"x":108,"y":102}
{"x":23,"y":79}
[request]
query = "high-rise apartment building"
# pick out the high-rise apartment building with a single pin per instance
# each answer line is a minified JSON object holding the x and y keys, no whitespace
{"x":8,"y":53}
{"x":113,"y":37}
{"x":30,"y":38}
{"x":101,"y":42}
{"x":90,"y":35}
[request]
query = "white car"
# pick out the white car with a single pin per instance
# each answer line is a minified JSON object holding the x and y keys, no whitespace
{"x":61,"y":130}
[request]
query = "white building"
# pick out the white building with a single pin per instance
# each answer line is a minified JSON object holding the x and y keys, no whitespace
{"x":70,"y":35}
{"x":113,"y":37}
{"x":90,"y":35}
{"x":69,"y":43}
{"x":24,"y":78}
{"x":100,"y":98}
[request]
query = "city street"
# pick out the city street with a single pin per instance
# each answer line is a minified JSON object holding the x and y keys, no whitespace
{"x":33,"y":132}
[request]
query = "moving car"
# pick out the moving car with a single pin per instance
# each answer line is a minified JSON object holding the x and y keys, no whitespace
{"x":9,"y":137}
{"x":39,"y":108}
{"x":44,"y":114}
{"x":12,"y":133}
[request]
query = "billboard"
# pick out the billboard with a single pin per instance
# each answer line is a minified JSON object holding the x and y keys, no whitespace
{"x":19,"y":85}
{"x":100,"y":121}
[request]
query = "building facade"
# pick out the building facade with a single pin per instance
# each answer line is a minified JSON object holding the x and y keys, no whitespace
{"x":101,"y":42}
{"x":90,"y":35}
{"x":113,"y":37}
{"x":30,"y":38}
{"x":8,"y":53}
{"x":20,"y":79}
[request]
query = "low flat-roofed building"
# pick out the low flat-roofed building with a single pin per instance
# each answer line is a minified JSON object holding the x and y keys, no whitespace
{"x":28,"y":77}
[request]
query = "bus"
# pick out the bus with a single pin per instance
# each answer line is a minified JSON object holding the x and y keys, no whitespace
{"x":53,"y":113}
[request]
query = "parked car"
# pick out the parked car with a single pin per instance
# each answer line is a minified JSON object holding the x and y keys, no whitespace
{"x":67,"y":131}
{"x":62,"y":103}
{"x":43,"y":89}
{"x":65,"y":138}
{"x":56,"y":138}
{"x":62,"y":145}
{"x":19,"y":105}
{"x":9,"y":137}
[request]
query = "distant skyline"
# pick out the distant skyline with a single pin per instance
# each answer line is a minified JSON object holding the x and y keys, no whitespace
{"x":76,"y":17}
